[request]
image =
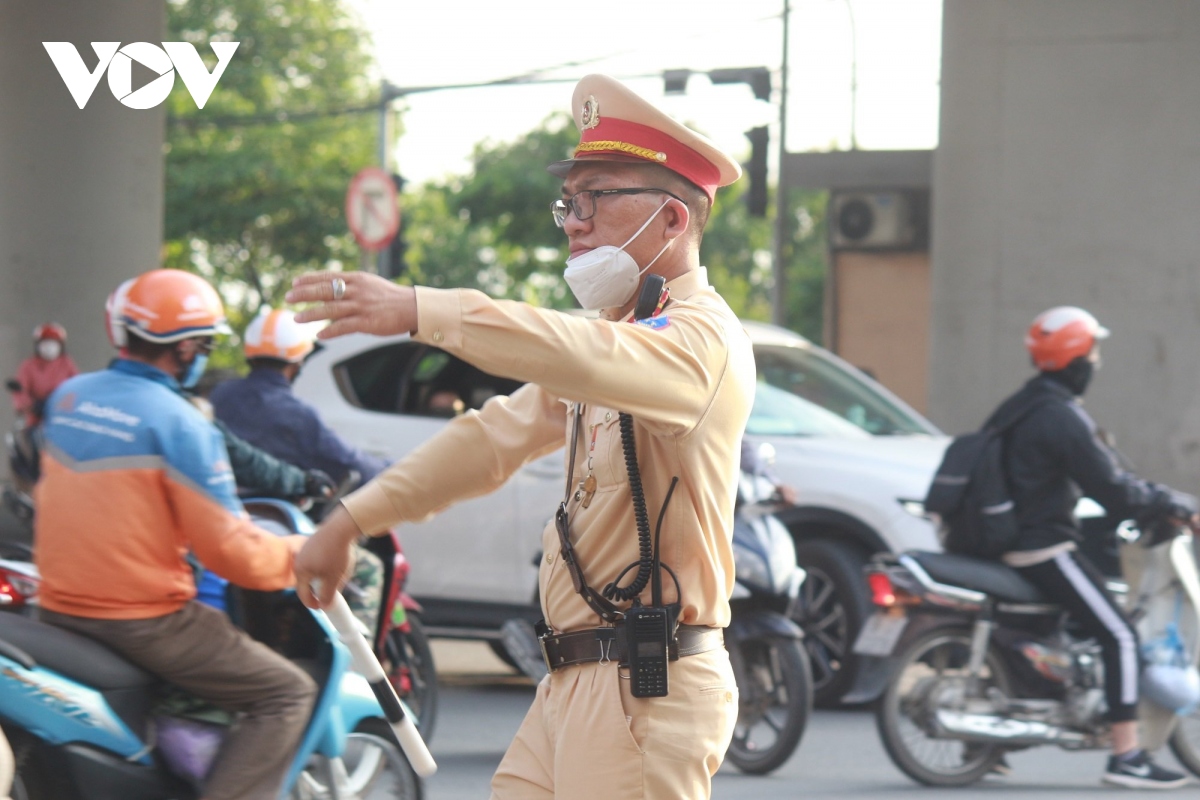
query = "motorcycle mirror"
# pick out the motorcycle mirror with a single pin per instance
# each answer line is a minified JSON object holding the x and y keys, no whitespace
{"x":1128,"y":531}
{"x":766,"y":454}
{"x":12,"y":385}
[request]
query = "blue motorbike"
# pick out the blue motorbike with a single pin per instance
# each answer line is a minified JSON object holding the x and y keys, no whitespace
{"x":84,"y":723}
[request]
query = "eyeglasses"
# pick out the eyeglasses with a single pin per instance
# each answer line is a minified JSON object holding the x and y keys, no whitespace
{"x":583,"y":204}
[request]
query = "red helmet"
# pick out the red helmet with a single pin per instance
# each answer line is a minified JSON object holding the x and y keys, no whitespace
{"x":169,"y":305}
{"x":50,"y":330}
{"x":1059,"y":336}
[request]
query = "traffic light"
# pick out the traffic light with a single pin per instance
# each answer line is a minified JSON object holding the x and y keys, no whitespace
{"x":759,"y":79}
{"x":397,"y":248}
{"x":396,"y":251}
{"x":756,"y":172}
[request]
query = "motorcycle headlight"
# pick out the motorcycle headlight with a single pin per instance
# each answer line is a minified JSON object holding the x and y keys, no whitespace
{"x":783,"y":556}
{"x":750,"y":567}
{"x":914,"y":507}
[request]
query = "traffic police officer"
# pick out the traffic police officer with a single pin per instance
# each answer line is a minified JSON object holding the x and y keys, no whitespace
{"x":635,"y":198}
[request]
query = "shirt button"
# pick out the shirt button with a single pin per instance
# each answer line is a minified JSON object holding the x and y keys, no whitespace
{"x":549,"y":558}
{"x":729,"y":697}
{"x":608,"y":416}
{"x":438,"y":336}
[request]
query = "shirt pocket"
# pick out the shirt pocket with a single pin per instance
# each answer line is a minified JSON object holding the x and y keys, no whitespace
{"x":607,"y":457}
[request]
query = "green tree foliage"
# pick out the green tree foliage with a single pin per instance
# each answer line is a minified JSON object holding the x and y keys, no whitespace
{"x":492,"y":229}
{"x":256,"y":181}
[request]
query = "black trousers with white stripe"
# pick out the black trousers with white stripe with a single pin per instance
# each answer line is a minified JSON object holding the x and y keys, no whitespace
{"x":1071,"y":580}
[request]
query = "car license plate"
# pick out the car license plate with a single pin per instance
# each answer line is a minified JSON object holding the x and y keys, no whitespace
{"x":879,"y":636}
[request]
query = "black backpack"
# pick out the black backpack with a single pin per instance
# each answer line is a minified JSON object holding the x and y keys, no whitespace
{"x":970,"y":492}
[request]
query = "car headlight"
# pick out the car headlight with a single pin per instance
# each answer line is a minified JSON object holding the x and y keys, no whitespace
{"x":914,"y":507}
{"x":750,"y":567}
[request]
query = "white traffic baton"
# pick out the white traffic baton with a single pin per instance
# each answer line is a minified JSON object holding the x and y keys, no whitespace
{"x":367,"y":664}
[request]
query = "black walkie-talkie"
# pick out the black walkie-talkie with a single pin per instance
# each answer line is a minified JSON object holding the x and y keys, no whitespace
{"x":648,"y":299}
{"x":647,"y":636}
{"x":648,"y":628}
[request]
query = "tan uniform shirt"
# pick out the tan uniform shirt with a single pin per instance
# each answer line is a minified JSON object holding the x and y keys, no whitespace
{"x":688,"y":382}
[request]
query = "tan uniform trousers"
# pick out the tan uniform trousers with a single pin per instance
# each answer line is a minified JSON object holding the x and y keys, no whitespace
{"x":585,"y":736}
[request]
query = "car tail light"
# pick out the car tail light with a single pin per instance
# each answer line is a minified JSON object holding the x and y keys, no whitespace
{"x":883,"y":594}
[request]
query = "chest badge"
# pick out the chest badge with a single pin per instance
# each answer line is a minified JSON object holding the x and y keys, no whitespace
{"x":655,"y":323}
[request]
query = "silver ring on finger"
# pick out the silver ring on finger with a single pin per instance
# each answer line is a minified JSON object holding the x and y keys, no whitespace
{"x":339,"y":288}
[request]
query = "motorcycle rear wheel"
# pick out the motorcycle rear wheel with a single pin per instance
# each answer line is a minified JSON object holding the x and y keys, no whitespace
{"x":1185,"y":743}
{"x":924,"y":668}
{"x":410,"y":663}
{"x":774,"y":709}
{"x":371,"y":768}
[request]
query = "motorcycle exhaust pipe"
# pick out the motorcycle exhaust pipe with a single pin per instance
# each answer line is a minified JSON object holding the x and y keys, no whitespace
{"x":995,"y":728}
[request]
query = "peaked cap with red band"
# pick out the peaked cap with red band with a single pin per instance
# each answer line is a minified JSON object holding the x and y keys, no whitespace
{"x":617,"y":125}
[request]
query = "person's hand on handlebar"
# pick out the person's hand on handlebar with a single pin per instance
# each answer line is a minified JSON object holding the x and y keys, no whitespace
{"x":319,"y":485}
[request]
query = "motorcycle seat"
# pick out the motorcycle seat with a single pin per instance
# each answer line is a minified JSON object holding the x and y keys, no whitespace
{"x":76,"y":657}
{"x":991,"y":577}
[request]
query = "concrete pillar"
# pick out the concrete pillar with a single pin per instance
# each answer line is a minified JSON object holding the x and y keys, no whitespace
{"x":1068,"y":172}
{"x":81,"y":190}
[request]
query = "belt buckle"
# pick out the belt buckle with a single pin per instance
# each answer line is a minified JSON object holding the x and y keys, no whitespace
{"x":545,"y":653}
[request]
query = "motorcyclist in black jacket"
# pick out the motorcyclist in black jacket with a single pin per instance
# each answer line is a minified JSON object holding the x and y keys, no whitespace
{"x":1053,"y":456}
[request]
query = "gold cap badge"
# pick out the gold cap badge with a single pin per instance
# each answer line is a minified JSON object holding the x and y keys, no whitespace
{"x":589,"y":116}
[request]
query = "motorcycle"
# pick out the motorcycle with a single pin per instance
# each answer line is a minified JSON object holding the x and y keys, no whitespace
{"x":19,"y":583}
{"x":968,"y":661}
{"x":21,"y":443}
{"x":83,"y":721}
{"x":766,"y":649}
{"x":400,"y":642}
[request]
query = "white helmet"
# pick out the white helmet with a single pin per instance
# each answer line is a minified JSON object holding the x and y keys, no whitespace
{"x":274,"y":333}
{"x":114,"y":307}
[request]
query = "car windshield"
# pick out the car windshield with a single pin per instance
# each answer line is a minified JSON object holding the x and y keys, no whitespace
{"x":779,"y":413}
{"x":824,"y":383}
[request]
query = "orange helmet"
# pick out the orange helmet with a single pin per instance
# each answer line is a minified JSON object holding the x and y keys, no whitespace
{"x":1062,"y":334}
{"x":50,"y":330}
{"x":113,"y":325}
{"x":169,"y":305}
{"x":274,"y":333}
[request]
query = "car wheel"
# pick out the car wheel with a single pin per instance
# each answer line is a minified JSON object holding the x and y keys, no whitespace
{"x":833,"y":606}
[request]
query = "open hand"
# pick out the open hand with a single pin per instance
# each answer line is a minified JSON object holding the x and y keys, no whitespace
{"x":356,"y":302}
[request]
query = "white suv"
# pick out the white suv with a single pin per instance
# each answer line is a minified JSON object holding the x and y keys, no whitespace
{"x":858,"y":457}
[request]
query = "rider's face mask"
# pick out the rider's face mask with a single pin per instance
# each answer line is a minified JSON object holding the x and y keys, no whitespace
{"x":49,"y":349}
{"x":191,"y":373}
{"x":607,"y":276}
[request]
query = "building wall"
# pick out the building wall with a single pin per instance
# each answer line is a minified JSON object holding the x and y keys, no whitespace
{"x":1068,"y":172}
{"x":882,"y":318}
{"x":81,"y":191}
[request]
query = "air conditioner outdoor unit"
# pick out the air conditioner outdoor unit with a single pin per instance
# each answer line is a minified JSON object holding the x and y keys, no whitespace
{"x":878,"y":220}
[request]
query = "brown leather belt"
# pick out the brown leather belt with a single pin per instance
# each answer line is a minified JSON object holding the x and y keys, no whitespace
{"x":608,"y":644}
